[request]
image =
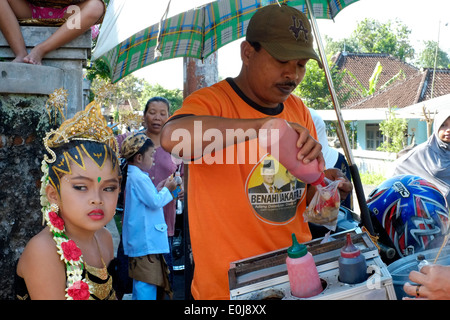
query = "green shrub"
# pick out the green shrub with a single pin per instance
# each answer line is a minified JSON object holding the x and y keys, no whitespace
{"x":372,"y":179}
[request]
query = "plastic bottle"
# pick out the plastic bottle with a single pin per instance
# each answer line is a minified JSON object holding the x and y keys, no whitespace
{"x":302,"y":272}
{"x":178,"y":182}
{"x":178,"y":178}
{"x":179,"y":207}
{"x":352,"y":264}
{"x":285,"y":150}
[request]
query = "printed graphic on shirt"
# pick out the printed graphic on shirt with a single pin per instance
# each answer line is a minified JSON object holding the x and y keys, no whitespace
{"x":273,"y":192}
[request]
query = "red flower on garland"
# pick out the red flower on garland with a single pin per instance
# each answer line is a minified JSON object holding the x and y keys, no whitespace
{"x":79,"y":291}
{"x":56,"y":220}
{"x":71,"y":250}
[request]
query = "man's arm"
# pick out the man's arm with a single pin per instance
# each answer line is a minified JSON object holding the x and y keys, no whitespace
{"x":187,"y":132}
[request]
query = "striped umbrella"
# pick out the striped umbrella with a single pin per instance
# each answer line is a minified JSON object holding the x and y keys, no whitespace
{"x":198,"y":32}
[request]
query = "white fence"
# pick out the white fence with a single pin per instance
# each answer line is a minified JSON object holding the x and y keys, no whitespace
{"x":376,"y":162}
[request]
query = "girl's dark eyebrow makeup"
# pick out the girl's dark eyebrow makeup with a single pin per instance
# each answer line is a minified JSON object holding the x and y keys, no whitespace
{"x":89,"y":179}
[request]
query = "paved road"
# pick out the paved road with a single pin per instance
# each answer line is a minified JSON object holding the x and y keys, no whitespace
{"x":367,"y":190}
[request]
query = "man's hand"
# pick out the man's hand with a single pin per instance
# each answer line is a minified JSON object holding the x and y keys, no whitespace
{"x":433,"y":283}
{"x":310,"y":148}
{"x":345,"y":186}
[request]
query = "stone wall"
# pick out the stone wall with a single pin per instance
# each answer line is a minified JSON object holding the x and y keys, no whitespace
{"x":24,"y":121}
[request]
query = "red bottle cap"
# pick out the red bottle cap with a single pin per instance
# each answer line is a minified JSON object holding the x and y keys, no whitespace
{"x":350,"y":250}
{"x":320,"y":181}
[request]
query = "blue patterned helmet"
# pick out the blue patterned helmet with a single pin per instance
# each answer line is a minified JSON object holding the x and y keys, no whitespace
{"x":411,"y":210}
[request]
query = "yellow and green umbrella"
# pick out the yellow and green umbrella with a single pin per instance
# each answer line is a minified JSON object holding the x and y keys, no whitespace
{"x":199,"y":32}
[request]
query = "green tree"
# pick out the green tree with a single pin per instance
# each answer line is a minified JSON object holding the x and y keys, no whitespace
{"x":175,"y":96}
{"x":393,"y":129}
{"x":98,"y":68}
{"x":372,"y":36}
{"x":128,"y":89}
{"x":135,"y":91}
{"x":390,"y":37}
{"x":427,"y":56}
{"x":314,"y":88}
{"x":344,"y":45}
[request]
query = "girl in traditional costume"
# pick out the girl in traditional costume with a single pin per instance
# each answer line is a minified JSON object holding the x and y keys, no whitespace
{"x":76,"y":17}
{"x":69,"y":258}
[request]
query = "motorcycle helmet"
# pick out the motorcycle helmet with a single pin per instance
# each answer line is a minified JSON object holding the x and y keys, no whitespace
{"x":411,"y":210}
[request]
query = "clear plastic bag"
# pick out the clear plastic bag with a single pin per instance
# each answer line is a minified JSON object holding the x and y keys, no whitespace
{"x":324,"y":206}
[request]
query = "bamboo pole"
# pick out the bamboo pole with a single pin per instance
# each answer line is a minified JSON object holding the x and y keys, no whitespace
{"x":365,"y":216}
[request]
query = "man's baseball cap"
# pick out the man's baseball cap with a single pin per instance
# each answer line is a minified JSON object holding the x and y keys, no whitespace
{"x":283,"y":31}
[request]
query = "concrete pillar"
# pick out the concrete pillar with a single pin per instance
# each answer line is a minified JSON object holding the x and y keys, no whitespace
{"x":64,"y":68}
{"x":199,"y":74}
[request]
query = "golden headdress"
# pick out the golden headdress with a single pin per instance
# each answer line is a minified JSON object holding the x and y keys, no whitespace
{"x":88,"y":124}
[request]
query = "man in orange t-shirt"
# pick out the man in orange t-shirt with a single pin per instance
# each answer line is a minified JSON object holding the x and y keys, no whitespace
{"x":235,"y":203}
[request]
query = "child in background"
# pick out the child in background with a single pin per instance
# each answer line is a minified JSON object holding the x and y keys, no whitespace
{"x":144,"y":229}
{"x":69,"y":258}
{"x":85,"y":13}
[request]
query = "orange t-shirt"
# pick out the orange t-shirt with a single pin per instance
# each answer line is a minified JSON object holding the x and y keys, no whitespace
{"x":232,"y":214}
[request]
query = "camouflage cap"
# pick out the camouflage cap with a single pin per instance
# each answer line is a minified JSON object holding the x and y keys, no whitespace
{"x":132,"y":144}
{"x":283,"y":31}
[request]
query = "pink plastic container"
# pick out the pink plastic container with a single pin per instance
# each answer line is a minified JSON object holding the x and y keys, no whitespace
{"x":302,"y":272}
{"x":281,"y":142}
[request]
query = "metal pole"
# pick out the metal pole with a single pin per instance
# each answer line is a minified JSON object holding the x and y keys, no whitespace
{"x":435,"y":59}
{"x":365,"y":216}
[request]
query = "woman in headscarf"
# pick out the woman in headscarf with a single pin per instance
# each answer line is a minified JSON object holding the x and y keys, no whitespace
{"x":431,"y":159}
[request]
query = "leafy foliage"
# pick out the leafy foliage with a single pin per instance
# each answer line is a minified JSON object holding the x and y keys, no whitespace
{"x":373,"y":81}
{"x":372,"y":36}
{"x":135,"y":92}
{"x":428,"y":55}
{"x":314,"y":88}
{"x":372,"y":179}
{"x":393,"y":130}
{"x":175,"y":96}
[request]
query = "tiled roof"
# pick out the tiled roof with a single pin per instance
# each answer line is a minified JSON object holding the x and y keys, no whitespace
{"x":400,"y":94}
{"x":362,"y":65}
{"x":441,"y":84}
{"x":414,"y":89}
